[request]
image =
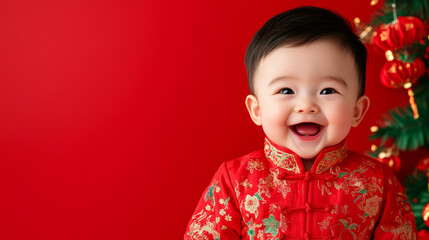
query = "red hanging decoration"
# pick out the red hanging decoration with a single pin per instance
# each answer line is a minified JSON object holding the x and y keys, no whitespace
{"x":399,"y":74}
{"x":390,"y":156}
{"x":395,"y":40}
{"x":398,"y":34}
{"x":423,"y":165}
{"x":393,"y":161}
{"x":364,"y":31}
{"x":423,"y":234}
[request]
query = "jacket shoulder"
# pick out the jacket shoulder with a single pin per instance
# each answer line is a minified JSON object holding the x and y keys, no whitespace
{"x":240,"y":164}
{"x":356,"y":158}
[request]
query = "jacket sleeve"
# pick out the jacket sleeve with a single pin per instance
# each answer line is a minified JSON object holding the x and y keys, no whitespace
{"x":217,"y":215}
{"x":396,"y":219}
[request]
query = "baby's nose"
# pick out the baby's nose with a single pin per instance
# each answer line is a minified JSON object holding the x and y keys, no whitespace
{"x":307,"y":106}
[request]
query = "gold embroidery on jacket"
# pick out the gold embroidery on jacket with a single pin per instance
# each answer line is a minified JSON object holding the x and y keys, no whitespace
{"x":281,"y":159}
{"x":332,"y":158}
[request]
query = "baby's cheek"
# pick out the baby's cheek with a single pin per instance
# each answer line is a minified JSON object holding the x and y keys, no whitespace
{"x":273,"y":121}
{"x":341,"y":115}
{"x":340,"y":121}
{"x":275,"y":116}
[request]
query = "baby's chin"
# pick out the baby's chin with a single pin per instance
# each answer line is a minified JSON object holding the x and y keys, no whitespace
{"x":306,"y":154}
{"x":308,"y":157}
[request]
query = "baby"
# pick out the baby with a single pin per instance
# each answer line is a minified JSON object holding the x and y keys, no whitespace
{"x":306,"y":74}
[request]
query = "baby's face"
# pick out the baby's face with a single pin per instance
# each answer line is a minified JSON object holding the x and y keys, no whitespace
{"x":306,"y":97}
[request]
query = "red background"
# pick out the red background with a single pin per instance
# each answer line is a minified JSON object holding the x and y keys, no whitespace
{"x":116,"y":114}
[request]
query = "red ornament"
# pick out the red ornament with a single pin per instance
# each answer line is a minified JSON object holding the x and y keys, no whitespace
{"x":423,"y":234}
{"x":398,"y":74}
{"x":425,"y":214}
{"x":399,"y":34}
{"x":423,"y":165}
{"x":394,"y":162}
{"x":390,"y":157}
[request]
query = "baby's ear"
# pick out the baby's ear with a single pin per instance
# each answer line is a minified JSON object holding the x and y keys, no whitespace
{"x":252,"y":106}
{"x":361,"y":107}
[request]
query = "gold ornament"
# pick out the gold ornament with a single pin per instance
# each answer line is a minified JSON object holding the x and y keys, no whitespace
{"x":374,"y":2}
{"x":374,"y":129}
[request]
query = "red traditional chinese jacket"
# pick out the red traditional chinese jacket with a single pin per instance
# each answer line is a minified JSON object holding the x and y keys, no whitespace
{"x":267,"y":194}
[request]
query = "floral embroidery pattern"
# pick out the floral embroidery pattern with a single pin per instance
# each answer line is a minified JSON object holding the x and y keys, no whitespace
{"x":252,"y":226}
{"x":332,"y":158}
{"x":287,"y":161}
{"x":224,"y":202}
{"x":200,"y":228}
{"x":255,"y":164}
{"x":402,"y":201}
{"x":284,"y":160}
{"x":364,"y":190}
{"x":205,"y":223}
{"x":345,"y":229}
{"x":346,"y":199}
{"x":344,"y":209}
{"x":403,"y":231}
{"x":371,"y":206}
{"x":246,"y":184}
{"x":272,"y":182}
{"x":210,"y":193}
{"x":251,"y":204}
{"x":283,"y":223}
{"x":271,"y":225}
{"x":323,"y":225}
{"x":323,"y":187}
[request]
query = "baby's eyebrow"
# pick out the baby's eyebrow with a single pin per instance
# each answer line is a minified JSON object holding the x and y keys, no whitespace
{"x":336,"y":79}
{"x":277,"y":79}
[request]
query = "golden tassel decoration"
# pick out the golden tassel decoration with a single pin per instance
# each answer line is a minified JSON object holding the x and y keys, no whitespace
{"x":413,"y":102}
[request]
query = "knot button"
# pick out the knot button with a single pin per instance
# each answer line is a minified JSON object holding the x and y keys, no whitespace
{"x":307,"y":236}
{"x":328,"y":208}
{"x":307,"y":207}
{"x":307,"y":176}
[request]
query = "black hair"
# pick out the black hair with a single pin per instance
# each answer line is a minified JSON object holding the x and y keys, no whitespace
{"x":304,"y":25}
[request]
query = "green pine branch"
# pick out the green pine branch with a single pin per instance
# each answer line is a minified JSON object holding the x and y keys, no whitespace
{"x":416,"y":189}
{"x":410,"y":53}
{"x":400,"y":126}
{"x":416,"y":8}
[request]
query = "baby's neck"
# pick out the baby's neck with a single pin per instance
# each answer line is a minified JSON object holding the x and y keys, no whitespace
{"x":308,"y":163}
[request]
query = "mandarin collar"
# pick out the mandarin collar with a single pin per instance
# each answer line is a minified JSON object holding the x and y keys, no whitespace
{"x":288,"y":160}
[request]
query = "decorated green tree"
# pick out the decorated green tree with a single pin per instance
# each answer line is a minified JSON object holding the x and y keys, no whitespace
{"x":399,"y":30}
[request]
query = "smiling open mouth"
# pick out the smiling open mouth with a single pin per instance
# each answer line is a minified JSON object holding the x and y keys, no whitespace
{"x":306,"y":129}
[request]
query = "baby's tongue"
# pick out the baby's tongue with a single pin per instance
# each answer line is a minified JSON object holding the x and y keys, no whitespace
{"x":308,"y":129}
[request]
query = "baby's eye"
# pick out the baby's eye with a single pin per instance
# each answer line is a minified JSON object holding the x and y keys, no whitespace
{"x":328,"y":91}
{"x":286,"y":91}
